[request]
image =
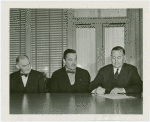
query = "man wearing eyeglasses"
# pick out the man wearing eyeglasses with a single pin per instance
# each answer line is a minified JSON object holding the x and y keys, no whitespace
{"x":26,"y":80}
{"x":118,"y":77}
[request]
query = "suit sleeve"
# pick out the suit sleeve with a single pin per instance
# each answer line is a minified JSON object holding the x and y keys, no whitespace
{"x":136,"y":85}
{"x":97,"y":81}
{"x":10,"y":84}
{"x":54,"y":84}
{"x":42,"y":84}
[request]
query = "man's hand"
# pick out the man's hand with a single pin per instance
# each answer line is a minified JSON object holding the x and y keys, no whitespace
{"x":118,"y":90}
{"x":100,"y":90}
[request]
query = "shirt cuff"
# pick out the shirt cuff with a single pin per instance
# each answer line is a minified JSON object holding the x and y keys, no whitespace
{"x":94,"y":91}
{"x":124,"y":91}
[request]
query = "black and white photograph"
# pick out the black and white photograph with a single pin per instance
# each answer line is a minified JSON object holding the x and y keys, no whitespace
{"x":75,"y":62}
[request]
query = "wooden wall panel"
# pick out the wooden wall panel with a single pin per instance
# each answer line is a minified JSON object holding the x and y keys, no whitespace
{"x":133,"y":47}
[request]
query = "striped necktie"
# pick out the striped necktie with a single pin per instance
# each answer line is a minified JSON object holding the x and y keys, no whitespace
{"x":116,"y":74}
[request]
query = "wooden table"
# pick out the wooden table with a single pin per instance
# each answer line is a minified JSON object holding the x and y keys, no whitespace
{"x":60,"y":103}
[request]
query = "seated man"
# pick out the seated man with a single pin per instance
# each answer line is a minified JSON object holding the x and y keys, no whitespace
{"x":70,"y":79}
{"x":117,"y":77}
{"x":26,"y":80}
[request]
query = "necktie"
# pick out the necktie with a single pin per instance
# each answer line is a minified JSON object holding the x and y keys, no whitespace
{"x":24,"y":75}
{"x":116,"y":74}
{"x":68,"y":71}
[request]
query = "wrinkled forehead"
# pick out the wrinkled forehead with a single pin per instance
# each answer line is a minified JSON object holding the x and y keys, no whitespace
{"x":71,"y":55}
{"x":24,"y":61}
{"x":117,"y":53}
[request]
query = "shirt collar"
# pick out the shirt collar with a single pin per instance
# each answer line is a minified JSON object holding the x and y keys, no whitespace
{"x":24,"y":73}
{"x":115,"y":69}
{"x":69,"y":69}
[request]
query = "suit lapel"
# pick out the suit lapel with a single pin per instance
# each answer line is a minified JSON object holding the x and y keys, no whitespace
{"x":19,"y":80}
{"x":30,"y":79}
{"x":112,"y":73}
{"x":78,"y":76}
{"x":79,"y":81}
{"x":123,"y":74}
{"x":65,"y":77}
{"x":111,"y":77}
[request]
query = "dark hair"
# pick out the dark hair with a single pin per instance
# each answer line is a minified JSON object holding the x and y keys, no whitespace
{"x":21,"y":57}
{"x":118,"y":48}
{"x":68,"y":51}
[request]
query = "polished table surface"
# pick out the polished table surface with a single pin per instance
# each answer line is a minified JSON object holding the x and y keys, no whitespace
{"x":60,"y":103}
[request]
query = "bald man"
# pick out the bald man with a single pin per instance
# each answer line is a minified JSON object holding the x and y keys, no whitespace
{"x":26,"y":80}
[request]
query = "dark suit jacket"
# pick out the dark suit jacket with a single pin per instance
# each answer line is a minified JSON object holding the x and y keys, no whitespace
{"x":128,"y":79}
{"x":60,"y":81}
{"x":35,"y":84}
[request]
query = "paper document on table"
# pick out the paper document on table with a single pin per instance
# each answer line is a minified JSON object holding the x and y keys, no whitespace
{"x":116,"y":96}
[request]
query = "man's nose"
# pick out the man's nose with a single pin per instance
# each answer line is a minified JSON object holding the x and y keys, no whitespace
{"x":28,"y":66}
{"x":73,"y":63}
{"x":116,"y":61}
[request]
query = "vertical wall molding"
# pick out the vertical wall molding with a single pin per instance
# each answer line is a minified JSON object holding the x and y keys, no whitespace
{"x":135,"y":40}
{"x":71,"y":31}
{"x":99,"y":47}
{"x":28,"y":33}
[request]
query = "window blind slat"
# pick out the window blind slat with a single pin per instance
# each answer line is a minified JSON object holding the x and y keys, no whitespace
{"x":17,"y":35}
{"x":48,"y":39}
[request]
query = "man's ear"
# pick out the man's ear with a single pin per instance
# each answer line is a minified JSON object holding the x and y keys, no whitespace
{"x":64,"y":62}
{"x":17,"y":66}
{"x":125,"y":59}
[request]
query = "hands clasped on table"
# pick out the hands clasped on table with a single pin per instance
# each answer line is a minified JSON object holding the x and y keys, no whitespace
{"x":101,"y":90}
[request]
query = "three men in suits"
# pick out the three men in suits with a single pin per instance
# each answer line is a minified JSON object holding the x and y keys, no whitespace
{"x":117,"y":77}
{"x":26,"y":80}
{"x":114,"y":78}
{"x":70,"y":78}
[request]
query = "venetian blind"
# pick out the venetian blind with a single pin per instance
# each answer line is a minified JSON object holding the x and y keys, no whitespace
{"x":86,"y":50}
{"x":48,"y":39}
{"x":114,"y":36}
{"x":17,"y":36}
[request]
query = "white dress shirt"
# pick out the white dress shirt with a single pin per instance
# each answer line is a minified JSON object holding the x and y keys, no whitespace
{"x":115,"y":69}
{"x":71,"y":77}
{"x":24,"y":79}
